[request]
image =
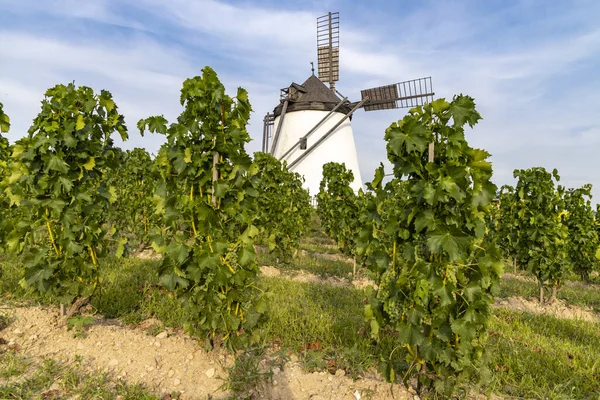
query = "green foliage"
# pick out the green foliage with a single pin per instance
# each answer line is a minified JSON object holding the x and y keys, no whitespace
{"x":4,"y":121}
{"x":542,"y":237}
{"x":337,"y":206}
{"x":207,"y":200}
{"x":506,"y":229}
{"x":4,"y":160}
{"x":135,"y":183}
{"x":376,"y":226}
{"x":503,"y":228}
{"x":283,"y":205}
{"x":437,"y":276}
{"x":56,"y":180}
{"x":582,"y":242}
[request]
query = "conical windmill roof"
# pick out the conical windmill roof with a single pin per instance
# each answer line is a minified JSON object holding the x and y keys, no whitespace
{"x":312,"y":95}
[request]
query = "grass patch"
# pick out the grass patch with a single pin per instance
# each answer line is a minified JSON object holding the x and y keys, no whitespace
{"x":323,"y":324}
{"x":537,"y":356}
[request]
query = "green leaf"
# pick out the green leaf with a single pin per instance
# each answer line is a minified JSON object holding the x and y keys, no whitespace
{"x":463,"y":111}
{"x":247,"y":255}
{"x":188,"y":155}
{"x":453,"y":245}
{"x":120,"y":247}
{"x":80,"y":124}
{"x":56,"y":164}
{"x":90,"y":164}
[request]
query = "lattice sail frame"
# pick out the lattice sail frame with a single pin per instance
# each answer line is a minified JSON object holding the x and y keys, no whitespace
{"x":328,"y":47}
{"x":407,"y":94}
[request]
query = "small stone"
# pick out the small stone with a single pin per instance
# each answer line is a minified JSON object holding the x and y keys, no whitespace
{"x":411,"y":390}
{"x":416,"y":397}
{"x":80,"y":346}
{"x":119,"y":397}
{"x":18,"y":332}
{"x":171,"y":373}
{"x":210,"y":372}
{"x":157,"y":343}
{"x":162,"y":335}
{"x":190,"y":357}
{"x":340,"y":372}
{"x":293,"y":358}
{"x":276,"y":371}
{"x":330,"y":378}
{"x":33,"y":338}
{"x":113,"y":363}
{"x":356,"y":395}
{"x":176,"y":382}
{"x":275,"y":383}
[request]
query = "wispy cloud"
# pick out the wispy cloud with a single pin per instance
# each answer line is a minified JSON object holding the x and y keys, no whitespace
{"x":532,"y":67}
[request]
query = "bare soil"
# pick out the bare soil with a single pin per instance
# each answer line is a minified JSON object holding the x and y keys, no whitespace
{"x":147,"y":254}
{"x":172,"y":361}
{"x":559,"y":308}
{"x":303,"y":276}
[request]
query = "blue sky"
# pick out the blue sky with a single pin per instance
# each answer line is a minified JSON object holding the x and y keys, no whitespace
{"x":531,"y":65}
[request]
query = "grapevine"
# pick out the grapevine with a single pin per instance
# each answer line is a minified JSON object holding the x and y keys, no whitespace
{"x":582,"y":242}
{"x":438,"y":275}
{"x":135,"y":182}
{"x":283,"y":205}
{"x":207,"y":200}
{"x":56,"y":180}
{"x":337,"y":206}
{"x":542,"y":237}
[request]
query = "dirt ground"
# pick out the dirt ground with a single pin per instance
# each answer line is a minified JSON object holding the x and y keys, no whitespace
{"x":558,"y":309}
{"x":172,"y":361}
{"x":303,"y":276}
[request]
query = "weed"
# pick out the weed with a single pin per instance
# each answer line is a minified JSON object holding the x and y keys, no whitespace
{"x":79,"y":322}
{"x":249,"y":371}
{"x":52,"y":380}
{"x":4,"y":320}
{"x":12,"y":363}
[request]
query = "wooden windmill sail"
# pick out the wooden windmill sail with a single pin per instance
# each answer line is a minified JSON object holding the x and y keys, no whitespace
{"x":311,"y":124}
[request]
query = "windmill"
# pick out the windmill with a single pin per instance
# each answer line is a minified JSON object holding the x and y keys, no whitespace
{"x":311,"y":124}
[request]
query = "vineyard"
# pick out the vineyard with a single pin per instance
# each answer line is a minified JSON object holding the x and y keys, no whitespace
{"x":204,"y":272}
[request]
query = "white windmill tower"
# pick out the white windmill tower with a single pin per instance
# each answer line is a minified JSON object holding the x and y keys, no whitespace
{"x":311,"y":125}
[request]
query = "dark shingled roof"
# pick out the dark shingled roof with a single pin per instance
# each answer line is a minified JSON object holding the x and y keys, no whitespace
{"x":312,"y":95}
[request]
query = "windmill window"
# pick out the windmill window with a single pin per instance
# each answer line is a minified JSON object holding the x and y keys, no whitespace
{"x":303,"y":143}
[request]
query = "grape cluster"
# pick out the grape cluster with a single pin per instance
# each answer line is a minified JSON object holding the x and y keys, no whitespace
{"x":387,"y":295}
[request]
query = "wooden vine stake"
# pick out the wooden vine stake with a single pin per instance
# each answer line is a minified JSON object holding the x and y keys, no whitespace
{"x":431,"y":151}
{"x":215,"y":172}
{"x":62,"y":310}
